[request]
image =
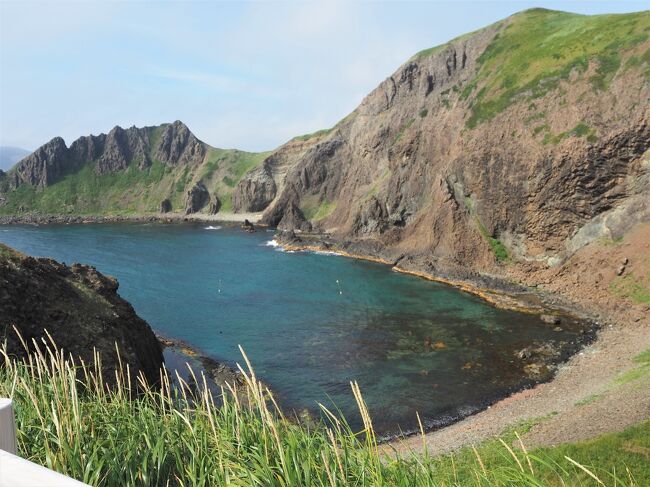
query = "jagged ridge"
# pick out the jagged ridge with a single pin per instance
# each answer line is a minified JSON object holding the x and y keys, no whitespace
{"x":134,"y":170}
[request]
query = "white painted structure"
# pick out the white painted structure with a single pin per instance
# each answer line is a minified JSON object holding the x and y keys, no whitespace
{"x":16,"y":471}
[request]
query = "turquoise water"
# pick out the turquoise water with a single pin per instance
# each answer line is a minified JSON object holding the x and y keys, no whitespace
{"x":310,"y":323}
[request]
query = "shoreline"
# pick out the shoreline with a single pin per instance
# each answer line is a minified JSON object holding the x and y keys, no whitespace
{"x":576,"y":403}
{"x":523,"y":300}
{"x":37,"y":219}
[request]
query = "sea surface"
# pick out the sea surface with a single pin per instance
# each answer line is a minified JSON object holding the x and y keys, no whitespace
{"x":310,"y":323}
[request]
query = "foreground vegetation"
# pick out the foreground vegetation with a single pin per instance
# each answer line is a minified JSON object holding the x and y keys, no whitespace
{"x":69,"y":421}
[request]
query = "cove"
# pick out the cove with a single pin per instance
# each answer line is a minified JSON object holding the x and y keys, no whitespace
{"x":311,"y":323}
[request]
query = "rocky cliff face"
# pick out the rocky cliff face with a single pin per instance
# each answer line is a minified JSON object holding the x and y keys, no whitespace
{"x":44,"y":166}
{"x":172,"y":144}
{"x":501,"y":145}
{"x":80,"y":308}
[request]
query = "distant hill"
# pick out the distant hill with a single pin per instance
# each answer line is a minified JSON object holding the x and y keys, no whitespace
{"x":10,"y":156}
{"x":127,"y":171}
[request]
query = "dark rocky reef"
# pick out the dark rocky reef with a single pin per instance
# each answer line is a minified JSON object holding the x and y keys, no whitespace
{"x":80,"y":308}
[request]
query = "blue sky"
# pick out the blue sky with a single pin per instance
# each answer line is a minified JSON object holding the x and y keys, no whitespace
{"x":248,"y":75}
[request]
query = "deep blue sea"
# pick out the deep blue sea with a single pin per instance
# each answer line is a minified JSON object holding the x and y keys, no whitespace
{"x":310,"y":323}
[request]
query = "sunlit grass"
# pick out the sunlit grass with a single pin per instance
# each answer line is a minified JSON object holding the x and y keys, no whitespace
{"x":539,"y":48}
{"x":68,"y":420}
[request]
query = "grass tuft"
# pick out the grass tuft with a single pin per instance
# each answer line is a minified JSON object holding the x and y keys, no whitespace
{"x":183,"y":434}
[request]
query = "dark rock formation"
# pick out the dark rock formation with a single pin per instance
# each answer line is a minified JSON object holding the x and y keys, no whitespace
{"x":178,"y":145}
{"x":123,"y":147}
{"x":256,"y":191}
{"x":293,"y":218}
{"x":80,"y":308}
{"x":248,"y":226}
{"x":172,"y":144}
{"x":45,"y":165}
{"x":196,"y":198}
{"x":214,"y":206}
{"x":165,"y":206}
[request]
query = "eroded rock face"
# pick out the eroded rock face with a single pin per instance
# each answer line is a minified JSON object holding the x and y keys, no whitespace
{"x":123,"y":147}
{"x":410,"y":176}
{"x":171,"y":144}
{"x":197,"y":198}
{"x":178,"y":145}
{"x":45,"y":165}
{"x":214,"y":206}
{"x":254,"y":192}
{"x":80,"y":308}
{"x":293,"y":218}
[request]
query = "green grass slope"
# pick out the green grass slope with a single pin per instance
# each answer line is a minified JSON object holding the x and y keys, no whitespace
{"x":538,"y":48}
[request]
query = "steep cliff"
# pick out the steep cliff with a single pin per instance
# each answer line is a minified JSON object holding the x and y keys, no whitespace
{"x":81,"y":311}
{"x":504,"y":144}
{"x":520,"y":142}
{"x":126,"y":171}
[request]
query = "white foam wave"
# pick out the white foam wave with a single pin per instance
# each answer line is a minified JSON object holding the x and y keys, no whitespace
{"x":213,"y":228}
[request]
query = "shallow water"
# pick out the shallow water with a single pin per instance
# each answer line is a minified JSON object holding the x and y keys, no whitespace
{"x":310,"y":323}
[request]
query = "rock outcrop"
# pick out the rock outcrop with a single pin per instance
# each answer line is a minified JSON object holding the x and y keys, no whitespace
{"x":256,"y":190}
{"x":81,"y":310}
{"x":165,"y":206}
{"x":45,"y":165}
{"x":178,"y":146}
{"x":214,"y":206}
{"x":172,"y":144}
{"x":197,"y":198}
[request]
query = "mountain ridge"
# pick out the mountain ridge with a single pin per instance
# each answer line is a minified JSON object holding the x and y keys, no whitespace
{"x":161,"y":168}
{"x":10,"y":155}
{"x":523,"y":141}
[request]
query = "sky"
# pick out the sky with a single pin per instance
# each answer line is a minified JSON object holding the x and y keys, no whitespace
{"x":246,"y":75}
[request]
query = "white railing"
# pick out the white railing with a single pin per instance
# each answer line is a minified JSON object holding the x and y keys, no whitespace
{"x":16,"y":471}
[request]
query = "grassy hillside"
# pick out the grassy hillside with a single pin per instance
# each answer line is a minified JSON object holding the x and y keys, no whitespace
{"x":178,"y":436}
{"x":538,"y":48}
{"x":134,"y":190}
